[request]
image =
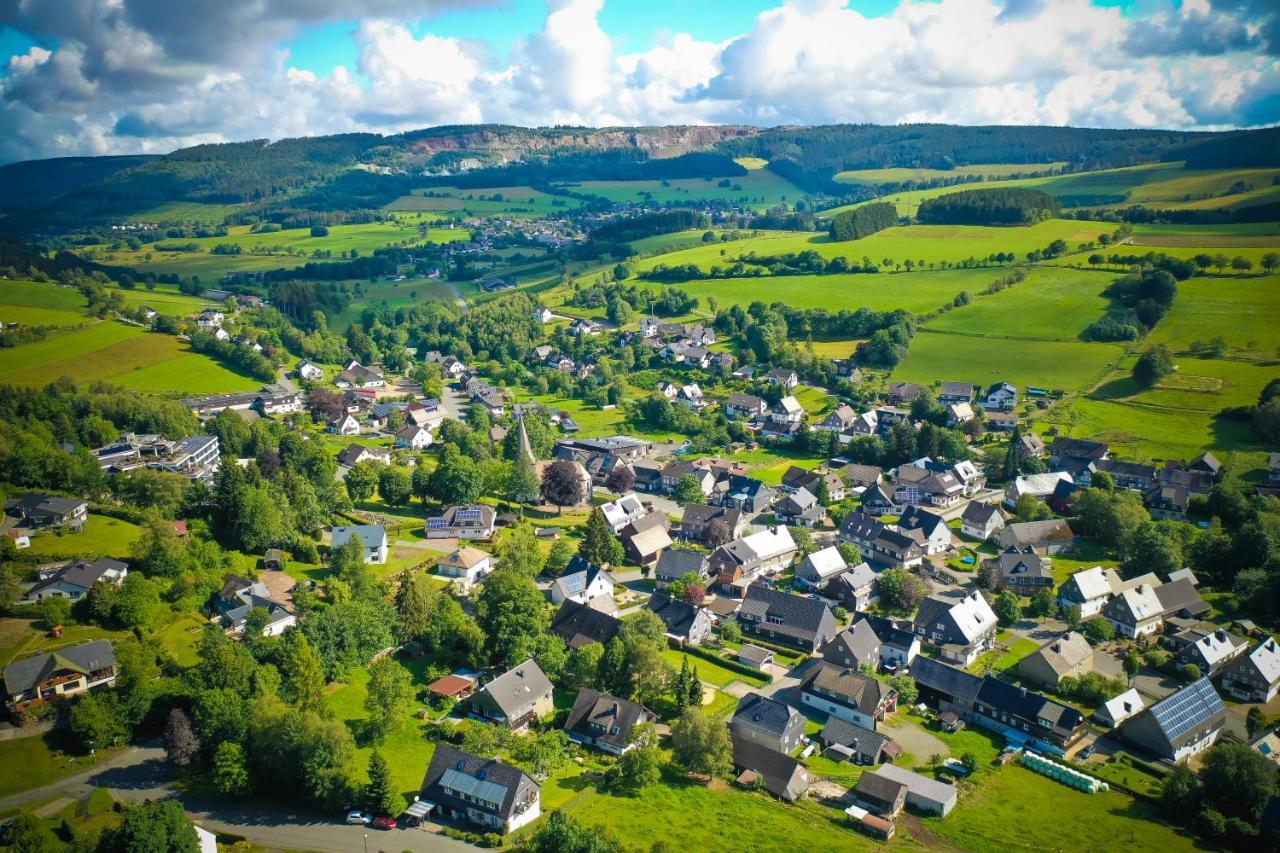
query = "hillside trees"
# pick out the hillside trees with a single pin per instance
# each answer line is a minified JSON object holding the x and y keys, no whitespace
{"x":999,"y":206}
{"x":1152,"y":366}
{"x":863,"y":221}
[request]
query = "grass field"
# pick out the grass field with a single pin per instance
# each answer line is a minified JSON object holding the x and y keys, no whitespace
{"x":1007,"y":810}
{"x":489,"y":201}
{"x":1245,"y":312}
{"x":1053,"y":304}
{"x":759,"y":188}
{"x":902,"y":175}
{"x":709,"y":672}
{"x":391,"y":294}
{"x":34,"y":294}
{"x":949,"y":357}
{"x":33,"y":762}
{"x":122,"y":354}
{"x":103,"y":536}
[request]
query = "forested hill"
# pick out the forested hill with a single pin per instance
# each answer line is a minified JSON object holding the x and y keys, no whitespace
{"x":365,"y":170}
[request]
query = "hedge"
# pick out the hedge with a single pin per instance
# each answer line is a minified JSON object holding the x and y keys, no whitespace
{"x":731,"y":665}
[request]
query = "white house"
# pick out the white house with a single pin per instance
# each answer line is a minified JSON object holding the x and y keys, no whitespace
{"x":344,"y":424}
{"x":623,"y":511}
{"x":374,"y":537}
{"x":220,"y":333}
{"x":413,"y":437}
{"x":581,"y":582}
{"x":788,"y":411}
{"x":542,"y":314}
{"x":211,"y":319}
{"x":1115,"y":711}
{"x":466,"y":564}
{"x":816,"y":569}
{"x":309,"y":370}
{"x":981,"y":521}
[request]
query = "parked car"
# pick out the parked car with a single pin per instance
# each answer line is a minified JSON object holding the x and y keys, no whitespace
{"x":1088,"y":751}
{"x":384,"y":822}
{"x":357,"y":816}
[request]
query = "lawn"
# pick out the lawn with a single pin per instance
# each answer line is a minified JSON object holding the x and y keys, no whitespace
{"x":103,"y":536}
{"x":32,"y":762}
{"x":181,"y":637}
{"x":711,"y":673}
{"x":698,"y":817}
{"x":34,"y":294}
{"x":121,"y":354}
{"x":1071,"y":366}
{"x":1053,"y":304}
{"x":20,"y":638}
{"x":1245,"y":312}
{"x":1015,"y":809}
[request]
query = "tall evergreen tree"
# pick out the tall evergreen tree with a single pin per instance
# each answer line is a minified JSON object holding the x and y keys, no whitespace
{"x":302,"y":673}
{"x":1012,"y":462}
{"x":599,"y":543}
{"x":413,"y":606}
{"x":381,"y":794}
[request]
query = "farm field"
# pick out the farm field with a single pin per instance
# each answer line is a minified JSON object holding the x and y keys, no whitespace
{"x":186,"y":211}
{"x":1243,"y":311}
{"x":902,"y":175}
{"x":392,"y":295}
{"x":1070,"y":366}
{"x":759,"y":188}
{"x":918,"y":292}
{"x":36,"y":294}
{"x":460,"y":201}
{"x":36,"y":303}
{"x":1053,"y":304}
{"x":122,"y":354}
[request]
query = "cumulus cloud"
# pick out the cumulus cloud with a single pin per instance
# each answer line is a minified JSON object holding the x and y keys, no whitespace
{"x":152,"y":75}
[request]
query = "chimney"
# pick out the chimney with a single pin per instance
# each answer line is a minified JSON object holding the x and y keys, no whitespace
{"x":1023,"y":690}
{"x":1221,"y":635}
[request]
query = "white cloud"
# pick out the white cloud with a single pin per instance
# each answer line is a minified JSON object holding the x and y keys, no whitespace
{"x":130,"y":75}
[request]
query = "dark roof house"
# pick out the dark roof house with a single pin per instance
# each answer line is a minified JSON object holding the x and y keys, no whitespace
{"x":606,"y":722}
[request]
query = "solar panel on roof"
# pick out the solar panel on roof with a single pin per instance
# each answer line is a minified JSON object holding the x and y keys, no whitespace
{"x":490,"y":793}
{"x":436,"y":523}
{"x":468,"y":514}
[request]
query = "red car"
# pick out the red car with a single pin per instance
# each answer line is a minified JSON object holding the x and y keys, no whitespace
{"x":383,"y":823}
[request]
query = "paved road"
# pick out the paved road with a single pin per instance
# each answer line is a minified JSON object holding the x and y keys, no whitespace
{"x":141,"y":773}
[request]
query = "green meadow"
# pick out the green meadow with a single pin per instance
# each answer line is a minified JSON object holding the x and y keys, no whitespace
{"x":488,"y":201}
{"x":392,"y":295}
{"x":122,"y":354}
{"x":902,"y":175}
{"x":1053,"y":304}
{"x":759,"y":188}
{"x":941,"y":356}
{"x":1243,"y":311}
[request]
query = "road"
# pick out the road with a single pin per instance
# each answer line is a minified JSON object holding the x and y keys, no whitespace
{"x":141,"y":773}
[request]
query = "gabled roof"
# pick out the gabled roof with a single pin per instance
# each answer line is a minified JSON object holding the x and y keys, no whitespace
{"x":852,"y":735}
{"x":1120,"y":708}
{"x":83,"y":573}
{"x":890,"y":632}
{"x":1140,"y":602}
{"x":770,"y":543}
{"x":825,"y":563}
{"x":486,"y":783}
{"x":786,"y":614}
{"x":372,"y":535}
{"x":918,"y":785}
{"x":678,"y":562}
{"x":579,"y":576}
{"x":1265,"y":658}
{"x":517,"y":686}
{"x":858,"y":642}
{"x":22,"y":675}
{"x":676,"y":613}
{"x":777,"y":770}
{"x":855,"y":689}
{"x":1065,"y":653}
{"x":579,"y":624}
{"x":978,"y":514}
{"x":1186,"y":709}
{"x":944,"y":679}
{"x":764,"y":713}
{"x":1180,"y":595}
{"x":605,"y":718}
{"x":1094,"y":583}
{"x":1036,"y":533}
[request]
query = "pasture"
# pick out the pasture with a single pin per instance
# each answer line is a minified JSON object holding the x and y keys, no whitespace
{"x":1070,"y":366}
{"x":1053,"y":304}
{"x":994,"y":171}
{"x":391,"y":295}
{"x":759,"y":188}
{"x":1243,"y":311}
{"x":486,"y":201}
{"x":121,"y":354}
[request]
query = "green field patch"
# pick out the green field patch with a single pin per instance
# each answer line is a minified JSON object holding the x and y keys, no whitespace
{"x":711,"y":673}
{"x":759,"y":188}
{"x":1243,"y":311}
{"x":392,"y":295}
{"x":34,"y":294}
{"x":902,"y":175}
{"x":1241,"y":235}
{"x":48,"y":317}
{"x":33,"y":762}
{"x":1068,"y":366}
{"x":186,"y":211}
{"x":836,"y":349}
{"x":1053,"y":304}
{"x":102,"y":536}
{"x":455,"y":201}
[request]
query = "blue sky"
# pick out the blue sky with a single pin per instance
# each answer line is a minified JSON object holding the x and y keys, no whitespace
{"x":123,"y":76}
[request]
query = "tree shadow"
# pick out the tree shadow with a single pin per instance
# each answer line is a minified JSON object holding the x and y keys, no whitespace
{"x":1117,"y":389}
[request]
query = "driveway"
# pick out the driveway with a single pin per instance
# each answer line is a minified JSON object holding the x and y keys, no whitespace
{"x":914,"y":739}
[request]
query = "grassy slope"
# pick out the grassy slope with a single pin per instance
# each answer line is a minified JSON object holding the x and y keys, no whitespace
{"x":1053,"y":304}
{"x":901,"y":175}
{"x":1069,"y":366}
{"x":455,"y":201}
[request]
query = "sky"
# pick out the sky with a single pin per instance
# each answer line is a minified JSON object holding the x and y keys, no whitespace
{"x":89,"y":77}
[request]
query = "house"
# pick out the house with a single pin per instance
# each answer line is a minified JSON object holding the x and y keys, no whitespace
{"x":926,"y":528}
{"x":677,"y":563}
{"x":1001,"y":397}
{"x":36,"y":511}
{"x":621,"y":512}
{"x":948,"y":689}
{"x":1210,"y":650}
{"x":783,"y":376}
{"x":690,"y":397}
{"x":471,"y":521}
{"x":344,"y":424}
{"x":778,"y":773}
{"x":542,"y":314}
{"x":1022,"y":570}
{"x":1168,"y":502}
{"x":580,"y":623}
{"x":1206,"y":463}
{"x":738,"y":563}
{"x":839,"y":421}
{"x":453,"y":686}
{"x":467,"y":564}
{"x":958,"y":414}
{"x":646,"y":538}
{"x":787,"y":411}
{"x":856,"y":589}
{"x":1115,"y":711}
{"x":1068,"y":655}
{"x":1079,"y":449}
{"x":372,"y":536}
{"x":685,"y":624}
{"x":1091,"y":589}
{"x":768,"y":722}
{"x":413,"y":437}
{"x":1030,"y":446}
{"x":1125,"y":475}
{"x":925,"y":795}
{"x":962,"y":629}
{"x":582,"y":326}
{"x":818,"y":568}
{"x":1180,"y":725}
{"x":357,"y":453}
{"x":756,"y":657}
{"x":745,"y":406}
{"x":1039,"y":486}
{"x":1192,"y":482}
{"x":673,"y":472}
{"x":847,"y":741}
{"x":482,"y":791}
{"x":1254,"y":677}
{"x":648,"y":478}
{"x":309,"y":370}
{"x":847,"y":694}
{"x":239,"y":597}
{"x":745,"y":493}
{"x":790,"y":620}
{"x":881,"y":545}
{"x":794,"y":479}
{"x":605,"y":722}
{"x":1050,"y":537}
{"x":919,"y":484}
{"x":880,"y":794}
{"x":1025,"y":717}
{"x":1135,"y":612}
{"x":712,"y":525}
{"x":853,"y":648}
{"x":1180,"y":599}
{"x":981,"y":521}
{"x":998,"y":421}
{"x":876,"y":500}
{"x":970,"y":476}
{"x":903,"y":392}
{"x":515,"y":698}
{"x":357,"y":375}
{"x":800,"y":509}
{"x":899,"y":645}
{"x":211,"y":319}
{"x":49,"y":676}
{"x":581,"y":582}
{"x":955,"y":392}
{"x":73,"y":580}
